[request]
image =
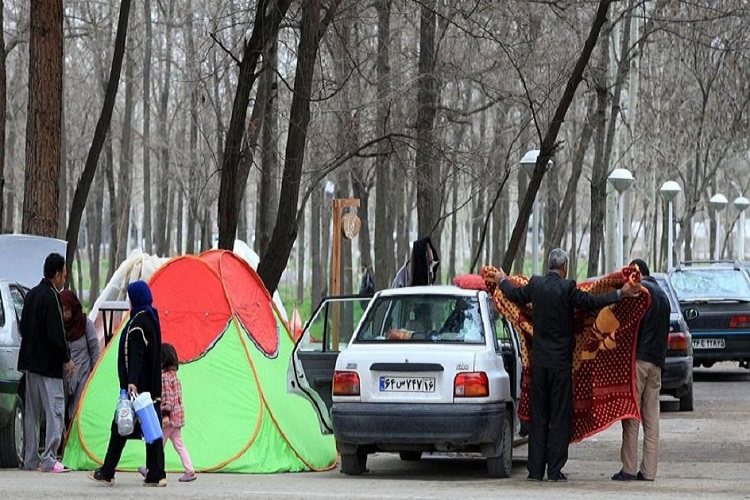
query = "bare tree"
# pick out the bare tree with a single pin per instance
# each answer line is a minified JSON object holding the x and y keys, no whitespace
{"x":3,"y":114}
{"x":44,"y":120}
{"x":268,"y":17}
{"x":147,"y":231}
{"x":315,"y":21}
{"x":100,"y":134}
{"x":549,"y":141}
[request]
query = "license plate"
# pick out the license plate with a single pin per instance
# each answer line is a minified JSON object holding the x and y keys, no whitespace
{"x":407,"y":384}
{"x":708,"y":343}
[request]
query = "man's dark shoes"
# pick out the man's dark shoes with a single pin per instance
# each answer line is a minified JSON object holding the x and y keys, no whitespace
{"x":559,"y":478}
{"x":534,"y":478}
{"x":623,"y":476}
{"x":96,"y":475}
{"x":641,"y":477}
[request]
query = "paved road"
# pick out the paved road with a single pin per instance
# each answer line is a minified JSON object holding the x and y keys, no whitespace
{"x":705,"y":453}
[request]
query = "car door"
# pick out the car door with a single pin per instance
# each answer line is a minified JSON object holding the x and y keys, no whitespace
{"x":326,"y":333}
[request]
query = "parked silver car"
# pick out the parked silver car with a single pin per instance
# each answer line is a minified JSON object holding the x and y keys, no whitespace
{"x":11,"y":403}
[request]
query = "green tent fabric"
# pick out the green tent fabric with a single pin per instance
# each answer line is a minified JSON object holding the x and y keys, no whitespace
{"x":234,"y":352}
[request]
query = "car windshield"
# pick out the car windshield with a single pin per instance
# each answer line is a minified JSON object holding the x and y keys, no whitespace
{"x":423,"y":318}
{"x":719,"y":284}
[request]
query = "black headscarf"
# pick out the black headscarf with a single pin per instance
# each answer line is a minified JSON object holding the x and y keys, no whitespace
{"x":419,"y":266}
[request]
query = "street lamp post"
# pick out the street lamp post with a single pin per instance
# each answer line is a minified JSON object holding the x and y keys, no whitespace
{"x":621,"y":179}
{"x":741,"y":204}
{"x":668,"y":191}
{"x":528,"y":163}
{"x":718,"y":202}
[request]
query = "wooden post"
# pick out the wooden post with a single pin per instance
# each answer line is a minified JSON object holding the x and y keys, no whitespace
{"x":338,"y":209}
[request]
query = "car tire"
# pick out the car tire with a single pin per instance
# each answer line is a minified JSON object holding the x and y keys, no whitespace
{"x":11,"y":438}
{"x":354,"y":464}
{"x":501,"y":465}
{"x":410,"y":456}
{"x":686,"y":401}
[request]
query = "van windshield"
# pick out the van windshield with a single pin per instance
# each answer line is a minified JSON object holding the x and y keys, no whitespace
{"x":423,"y":318}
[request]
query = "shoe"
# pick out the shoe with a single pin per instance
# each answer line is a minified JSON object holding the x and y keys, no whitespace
{"x":187,"y":477}
{"x":161,"y":483}
{"x":534,"y":478}
{"x":641,"y":477}
{"x":96,"y":475}
{"x":57,"y":468}
{"x":143,"y":471}
{"x":623,"y":476}
{"x":560,"y":478}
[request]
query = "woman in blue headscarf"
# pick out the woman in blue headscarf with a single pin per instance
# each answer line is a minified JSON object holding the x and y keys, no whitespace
{"x":139,"y":370}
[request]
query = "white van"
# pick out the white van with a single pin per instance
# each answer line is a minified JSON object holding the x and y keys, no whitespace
{"x":426,"y":370}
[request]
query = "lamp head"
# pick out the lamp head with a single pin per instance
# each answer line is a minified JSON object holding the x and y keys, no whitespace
{"x":669,"y":190}
{"x":621,"y":179}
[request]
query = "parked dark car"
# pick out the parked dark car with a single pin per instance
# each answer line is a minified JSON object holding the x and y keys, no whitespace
{"x":714,"y":297}
{"x":677,"y":375}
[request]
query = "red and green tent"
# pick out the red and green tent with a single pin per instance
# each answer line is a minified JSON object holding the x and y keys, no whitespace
{"x":234,"y":352}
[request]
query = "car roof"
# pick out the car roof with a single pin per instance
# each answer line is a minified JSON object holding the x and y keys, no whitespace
{"x":701,"y":265}
{"x":428,"y":290}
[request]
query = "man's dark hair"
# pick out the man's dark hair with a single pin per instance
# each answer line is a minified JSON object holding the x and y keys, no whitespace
{"x":53,"y":264}
{"x":642,"y":266}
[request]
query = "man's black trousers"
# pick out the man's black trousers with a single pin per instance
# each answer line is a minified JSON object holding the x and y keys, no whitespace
{"x":551,"y":420}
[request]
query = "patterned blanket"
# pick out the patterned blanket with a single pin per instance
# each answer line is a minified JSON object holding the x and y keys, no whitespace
{"x":604,"y":356}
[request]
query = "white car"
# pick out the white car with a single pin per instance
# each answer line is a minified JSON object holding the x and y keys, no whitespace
{"x":427,"y":369}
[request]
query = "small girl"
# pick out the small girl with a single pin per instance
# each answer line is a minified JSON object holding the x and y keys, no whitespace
{"x":173,"y":413}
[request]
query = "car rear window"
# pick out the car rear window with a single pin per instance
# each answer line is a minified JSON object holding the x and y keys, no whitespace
{"x":426,"y":318}
{"x":723,"y":284}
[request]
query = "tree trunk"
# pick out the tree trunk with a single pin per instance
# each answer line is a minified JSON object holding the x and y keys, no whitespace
{"x":301,"y":261}
{"x":44,"y":119}
{"x":569,"y":200}
{"x":162,"y":212}
{"x":109,"y":166}
{"x":454,"y":225}
{"x":385,"y":264}
{"x":274,"y":261}
{"x":125,"y":175}
{"x":193,"y":188}
{"x":549,"y":143}
{"x":269,"y":158}
{"x":427,"y":164}
{"x":599,"y":169}
{"x":3,"y":114}
{"x":266,"y":25}
{"x":361,"y":190}
{"x":100,"y":133}
{"x":316,"y":247}
{"x":94,"y":226}
{"x":523,"y":182}
{"x":147,"y":230}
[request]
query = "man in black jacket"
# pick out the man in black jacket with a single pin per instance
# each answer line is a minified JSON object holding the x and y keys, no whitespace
{"x":553,"y":298}
{"x":650,"y":352}
{"x":43,"y":357}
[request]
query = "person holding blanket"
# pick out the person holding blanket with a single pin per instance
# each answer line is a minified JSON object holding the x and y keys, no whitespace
{"x":554,"y":298}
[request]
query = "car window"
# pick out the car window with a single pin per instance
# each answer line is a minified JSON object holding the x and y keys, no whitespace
{"x":696,"y":284}
{"x":332,"y":327}
{"x":17,"y":297}
{"x":2,"y":311}
{"x":673,"y":305}
{"x":424,"y":318}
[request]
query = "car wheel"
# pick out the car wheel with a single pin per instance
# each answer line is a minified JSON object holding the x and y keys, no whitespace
{"x":410,"y":456}
{"x":354,"y":464}
{"x":686,"y":401}
{"x":501,"y":465}
{"x":11,"y":438}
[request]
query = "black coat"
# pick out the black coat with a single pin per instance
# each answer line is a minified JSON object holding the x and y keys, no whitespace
{"x":44,"y":348}
{"x":140,"y":355}
{"x":652,"y":335}
{"x":553,"y":299}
